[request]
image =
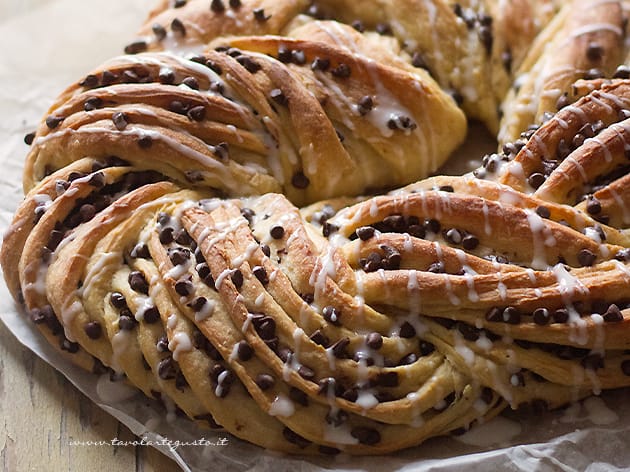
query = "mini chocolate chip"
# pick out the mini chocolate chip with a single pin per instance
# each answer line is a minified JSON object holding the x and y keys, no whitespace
{"x":69,"y":346}
{"x":197,"y":113}
{"x":586,"y":258}
{"x":261,"y":274}
{"x":222,"y":150}
{"x":331,"y":315}
{"x":166,"y":235}
{"x":536,"y":179}
{"x":191,"y":82}
{"x":342,"y":70}
{"x":184,"y":287}
{"x":453,"y":236}
{"x":541,"y":316}
{"x":178,"y":27}
{"x":358,"y":25}
{"x":53,"y":121}
{"x":265,"y":327}
{"x":494,"y":315}
{"x":277,"y":232}
{"x":299,"y":180}
{"x":510,"y":315}
{"x":235,"y":4}
{"x":29,"y":138}
{"x":237,"y":278}
{"x":593,"y":206}
{"x":126,"y":322}
{"x":265,"y":381}
{"x":120,"y":120}
{"x":594,"y":52}
{"x":136,"y":47}
{"x":217,"y":6}
{"x":432,"y":225}
{"x":266,"y":250}
{"x":365,"y":232}
{"x":561,"y":315}
{"x":374,"y":340}
{"x":306,"y":373}
{"x":295,"y":438}
{"x":118,"y":300}
{"x":151,"y":315}
{"x":623,"y":255}
{"x":167,"y":369}
{"x":426,"y":348}
{"x":417,"y":60}
{"x":244,"y":351}
{"x":613,"y":314}
{"x":367,"y":436}
{"x":383,"y":29}
{"x":108,"y":77}
{"x":138,"y":282}
{"x":320,"y":64}
{"x":470,"y":242}
{"x":179,"y":255}
{"x":92,"y":103}
{"x":365,"y":105}
{"x":248,"y":63}
{"x":159,"y":31}
{"x":407,"y":330}
{"x":198,"y":304}
{"x":543,"y":211}
{"x":145,"y":142}
{"x":339,"y":348}
{"x":279,"y":97}
{"x":90,"y":81}
{"x":486,"y":38}
{"x":259,"y":15}
{"x":93,"y":329}
{"x":320,"y":338}
{"x":622,"y":72}
{"x":166,"y":76}
{"x":328,"y":229}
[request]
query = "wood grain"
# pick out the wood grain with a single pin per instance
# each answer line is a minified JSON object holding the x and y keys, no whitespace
{"x":42,"y":412}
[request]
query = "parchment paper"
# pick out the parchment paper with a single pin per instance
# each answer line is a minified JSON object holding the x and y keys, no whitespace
{"x":57,"y":43}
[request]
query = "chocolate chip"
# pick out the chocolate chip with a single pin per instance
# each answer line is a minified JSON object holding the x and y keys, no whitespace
{"x":331,"y":315}
{"x":367,"y":436}
{"x":365,"y":232}
{"x":265,"y":381}
{"x":248,"y":63}
{"x":541,"y":316}
{"x":623,"y":255}
{"x":339,"y":348}
{"x":179,"y":255}
{"x":277,"y":232}
{"x":197,"y":113}
{"x":159,"y":31}
{"x":151,"y":315}
{"x":342,"y":70}
{"x":237,"y":278}
{"x":365,"y":105}
{"x":191,"y":82}
{"x":222,"y":151}
{"x":622,"y":72}
{"x":167,"y":369}
{"x":295,"y":438}
{"x":138,"y":282}
{"x":320,"y":338}
{"x":407,"y":330}
{"x":426,"y":348}
{"x":265,"y":327}
{"x":299,"y":180}
{"x":613,"y":314}
{"x":184,"y":287}
{"x":279,"y":97}
{"x":198,"y":304}
{"x":92,"y":103}
{"x":374,"y":340}
{"x":543,"y":211}
{"x":453,"y":236}
{"x":108,"y":77}
{"x":235,"y":4}
{"x":166,"y":235}
{"x":586,"y":258}
{"x":93,"y":329}
{"x":145,"y":142}
{"x":486,"y":38}
{"x":470,"y":242}
{"x":166,"y":76}
{"x":328,"y":229}
{"x":118,"y":300}
{"x":217,"y":6}
{"x":178,"y":27}
{"x":511,"y":315}
{"x":536,"y":180}
{"x":593,"y":206}
{"x":29,"y":138}
{"x":320,"y":64}
{"x":69,"y":346}
{"x":561,"y":315}
{"x":306,"y":373}
{"x":136,"y":47}
{"x":259,"y":15}
{"x":266,"y":250}
{"x":244,"y":351}
{"x":120,"y":120}
{"x":53,"y":121}
{"x":261,"y":274}
{"x":594,"y":52}
{"x":90,"y":81}
{"x":126,"y":322}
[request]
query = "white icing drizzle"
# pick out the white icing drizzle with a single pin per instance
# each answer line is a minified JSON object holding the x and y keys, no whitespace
{"x":113,"y":392}
{"x":180,"y":343}
{"x":281,"y":406}
{"x":206,"y":311}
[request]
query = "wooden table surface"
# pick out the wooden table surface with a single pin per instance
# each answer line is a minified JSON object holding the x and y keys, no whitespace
{"x":42,"y":412}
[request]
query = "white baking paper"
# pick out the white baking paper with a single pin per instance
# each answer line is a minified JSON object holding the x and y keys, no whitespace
{"x":59,"y":42}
